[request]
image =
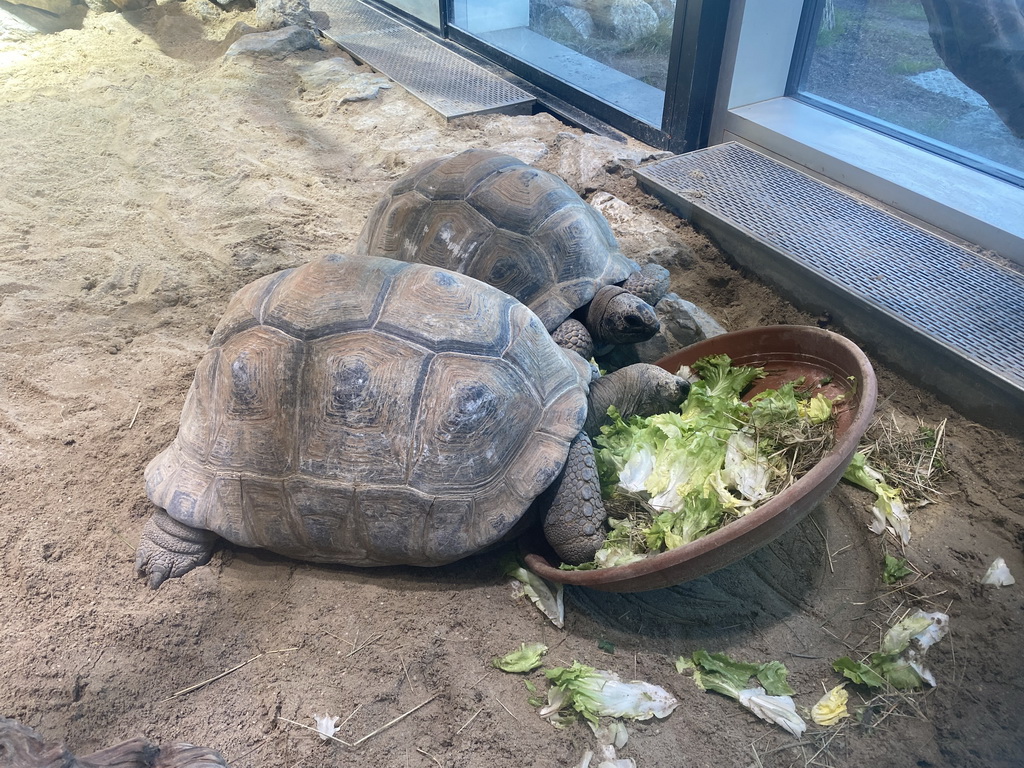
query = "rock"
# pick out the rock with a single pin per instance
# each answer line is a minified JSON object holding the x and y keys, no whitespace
{"x":682,"y":323}
{"x":612,"y":208}
{"x":275,"y":44}
{"x":564,"y":24}
{"x":206,"y":10}
{"x":625,"y":21}
{"x":20,"y":22}
{"x":362,"y":87}
{"x":585,"y":158}
{"x":345,"y":81}
{"x":530,"y":151}
{"x":664,"y":9}
{"x":276,"y":14}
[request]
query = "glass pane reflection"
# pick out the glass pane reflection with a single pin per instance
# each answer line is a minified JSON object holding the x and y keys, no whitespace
{"x":615,"y":50}
{"x":932,"y":67}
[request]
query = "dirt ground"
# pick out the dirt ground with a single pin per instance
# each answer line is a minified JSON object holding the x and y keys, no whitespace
{"x":143,"y":180}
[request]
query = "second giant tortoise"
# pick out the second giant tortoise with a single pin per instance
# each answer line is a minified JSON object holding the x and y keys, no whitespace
{"x":371,"y":412}
{"x":525,"y":231}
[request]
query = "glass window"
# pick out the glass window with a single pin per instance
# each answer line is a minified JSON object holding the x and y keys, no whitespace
{"x":427,"y":11}
{"x":947,"y":75}
{"x":614,"y":50}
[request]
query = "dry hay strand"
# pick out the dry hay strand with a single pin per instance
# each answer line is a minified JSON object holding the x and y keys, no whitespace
{"x":798,"y":446}
{"x":910,"y":456}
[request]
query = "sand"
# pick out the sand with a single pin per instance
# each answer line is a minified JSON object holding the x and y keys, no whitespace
{"x":143,"y":180}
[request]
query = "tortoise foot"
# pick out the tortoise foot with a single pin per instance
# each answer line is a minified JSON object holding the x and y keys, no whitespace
{"x":169,"y":549}
{"x":574,"y":521}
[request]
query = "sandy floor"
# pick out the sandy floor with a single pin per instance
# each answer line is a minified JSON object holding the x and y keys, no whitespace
{"x":142,"y":181}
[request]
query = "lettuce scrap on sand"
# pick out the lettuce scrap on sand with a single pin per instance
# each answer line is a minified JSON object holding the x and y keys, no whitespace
{"x":688,"y":472}
{"x":897,"y":663}
{"x":772,"y":700}
{"x":546,"y":596}
{"x":596,"y":693}
{"x":603,"y":700}
{"x":526,"y":659}
{"x":889,"y":511}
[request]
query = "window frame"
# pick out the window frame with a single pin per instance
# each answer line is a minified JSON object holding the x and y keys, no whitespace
{"x":698,"y":40}
{"x":753,"y":107}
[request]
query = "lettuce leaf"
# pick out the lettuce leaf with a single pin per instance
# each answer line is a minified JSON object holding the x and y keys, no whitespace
{"x":526,"y":659}
{"x":596,"y":693}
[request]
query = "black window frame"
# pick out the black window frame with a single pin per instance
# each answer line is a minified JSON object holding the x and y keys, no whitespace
{"x":695,"y":61}
{"x":803,"y":50}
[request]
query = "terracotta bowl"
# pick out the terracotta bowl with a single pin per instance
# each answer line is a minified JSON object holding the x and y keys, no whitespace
{"x":787,"y":352}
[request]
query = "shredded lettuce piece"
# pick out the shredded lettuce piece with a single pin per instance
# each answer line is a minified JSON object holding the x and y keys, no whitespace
{"x":595,"y":693}
{"x":720,"y":378}
{"x":526,"y":659}
{"x":889,"y":511}
{"x":772,"y":702}
{"x":780,"y":710}
{"x":696,"y":516}
{"x":831,"y":707}
{"x":546,"y":596}
{"x":897,"y":662}
{"x":998,"y":574}
{"x":896,"y":568}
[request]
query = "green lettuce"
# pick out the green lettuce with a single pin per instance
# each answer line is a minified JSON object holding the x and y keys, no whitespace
{"x":897,"y":661}
{"x":526,"y":659}
{"x":889,"y":511}
{"x":595,"y":693}
{"x":772,"y":700}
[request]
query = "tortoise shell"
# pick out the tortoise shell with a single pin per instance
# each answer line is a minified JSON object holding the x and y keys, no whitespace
{"x":371,"y":412}
{"x":492,"y":217}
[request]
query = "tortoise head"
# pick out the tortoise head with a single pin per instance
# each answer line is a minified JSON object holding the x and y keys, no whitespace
{"x":617,"y":316}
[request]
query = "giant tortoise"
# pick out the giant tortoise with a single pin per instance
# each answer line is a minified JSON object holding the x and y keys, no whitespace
{"x":525,"y":231}
{"x":369,"y":411}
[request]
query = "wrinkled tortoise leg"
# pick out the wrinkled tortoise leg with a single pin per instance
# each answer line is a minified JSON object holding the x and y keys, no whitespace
{"x":575,"y":514}
{"x":573,"y":335}
{"x":169,"y":549}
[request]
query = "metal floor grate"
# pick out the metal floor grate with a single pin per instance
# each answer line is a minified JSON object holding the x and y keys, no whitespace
{"x":441,"y":78}
{"x":882,"y":272}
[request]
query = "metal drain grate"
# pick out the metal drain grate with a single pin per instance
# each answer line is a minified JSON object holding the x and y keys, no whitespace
{"x":441,"y":78}
{"x":839,"y":254}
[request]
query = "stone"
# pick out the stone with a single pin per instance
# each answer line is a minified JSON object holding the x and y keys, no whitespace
{"x":583,"y":159}
{"x":529,"y":150}
{"x":276,"y":44}
{"x":343,"y":78}
{"x":625,"y":21}
{"x":664,"y":9}
{"x":276,"y":14}
{"x":564,"y":24}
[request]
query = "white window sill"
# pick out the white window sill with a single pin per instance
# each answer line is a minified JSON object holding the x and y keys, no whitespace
{"x":949,"y":197}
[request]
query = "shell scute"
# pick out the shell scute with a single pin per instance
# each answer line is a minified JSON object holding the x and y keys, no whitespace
{"x":454,"y":177}
{"x":520,"y":199}
{"x":448,"y":234}
{"x":429,"y":307}
{"x":325,"y":297}
{"x":359,"y":395}
{"x":470,"y":403}
{"x":515,"y":264}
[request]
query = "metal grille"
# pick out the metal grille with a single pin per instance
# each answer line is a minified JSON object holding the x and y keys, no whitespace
{"x":441,"y":78}
{"x":956,"y":297}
